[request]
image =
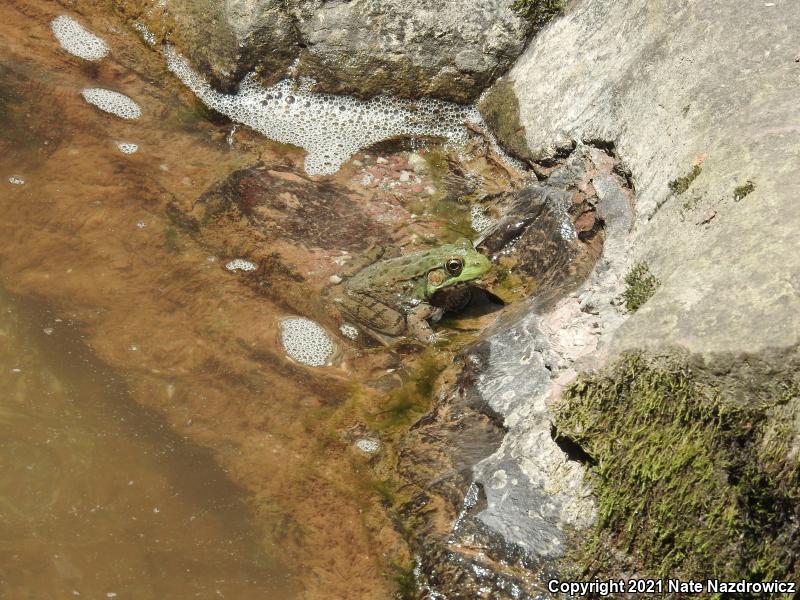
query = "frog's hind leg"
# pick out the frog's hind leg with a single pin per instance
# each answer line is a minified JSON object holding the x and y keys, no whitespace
{"x":373,"y":314}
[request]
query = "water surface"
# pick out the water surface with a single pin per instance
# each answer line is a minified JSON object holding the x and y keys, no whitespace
{"x":98,"y":498}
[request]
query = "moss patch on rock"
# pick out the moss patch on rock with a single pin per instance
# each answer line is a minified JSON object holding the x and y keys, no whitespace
{"x":681,"y":184}
{"x":538,"y":12}
{"x":640,"y":285}
{"x":693,"y":477}
{"x":740,"y":191}
{"x":499,"y":107}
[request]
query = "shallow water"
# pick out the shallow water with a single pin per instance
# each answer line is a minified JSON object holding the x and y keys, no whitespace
{"x":97,"y":496}
{"x":158,"y":342}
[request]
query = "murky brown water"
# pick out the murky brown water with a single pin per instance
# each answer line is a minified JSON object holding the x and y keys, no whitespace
{"x":97,"y":496}
{"x":125,"y":250}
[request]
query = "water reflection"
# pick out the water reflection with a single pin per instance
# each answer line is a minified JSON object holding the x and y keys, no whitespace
{"x":98,"y":498}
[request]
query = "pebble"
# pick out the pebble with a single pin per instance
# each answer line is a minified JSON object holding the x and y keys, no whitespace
{"x":381,"y":161}
{"x":334,"y":279}
{"x":405,"y":176}
{"x":14,"y":180}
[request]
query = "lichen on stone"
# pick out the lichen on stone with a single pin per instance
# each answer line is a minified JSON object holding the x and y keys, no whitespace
{"x":743,"y":190}
{"x":499,"y":108}
{"x":539,"y":12}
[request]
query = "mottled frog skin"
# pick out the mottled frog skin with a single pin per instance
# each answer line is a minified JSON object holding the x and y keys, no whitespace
{"x":392,"y":296}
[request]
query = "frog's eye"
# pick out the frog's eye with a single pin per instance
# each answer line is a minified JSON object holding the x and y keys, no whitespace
{"x":454,"y":266}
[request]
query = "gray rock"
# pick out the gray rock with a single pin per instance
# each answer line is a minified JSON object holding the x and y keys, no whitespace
{"x":225,"y":39}
{"x":449,"y":49}
{"x":672,"y":85}
{"x":667,"y":86}
{"x":446,"y":49}
{"x":534,"y":492}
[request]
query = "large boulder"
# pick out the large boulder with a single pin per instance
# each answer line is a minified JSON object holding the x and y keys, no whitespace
{"x":449,"y":49}
{"x":673,"y":86}
{"x":696,"y":347}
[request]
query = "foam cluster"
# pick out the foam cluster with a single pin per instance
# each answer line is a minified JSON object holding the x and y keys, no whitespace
{"x":127,"y":148}
{"x":240,"y":264}
{"x":480,"y":219}
{"x":77,"y":40}
{"x":306,"y":342}
{"x":368,"y":445}
{"x":330,"y":128}
{"x":112,"y":102}
{"x":14,"y":180}
{"x":146,"y":34}
{"x":349,"y":331}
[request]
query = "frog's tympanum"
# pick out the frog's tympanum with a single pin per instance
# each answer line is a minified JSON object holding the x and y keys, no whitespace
{"x":394,"y":295}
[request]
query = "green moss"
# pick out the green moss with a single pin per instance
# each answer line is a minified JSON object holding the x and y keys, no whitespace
{"x":683,"y":483}
{"x":641,"y":284}
{"x":743,"y":190}
{"x":681,"y":184}
{"x":539,"y":12}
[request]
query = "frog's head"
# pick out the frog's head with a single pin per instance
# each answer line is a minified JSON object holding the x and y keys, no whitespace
{"x":460,"y":264}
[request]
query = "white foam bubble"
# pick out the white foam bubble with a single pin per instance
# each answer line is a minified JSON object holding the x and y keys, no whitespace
{"x":240,"y":264}
{"x":14,"y":180}
{"x":349,"y":331}
{"x":330,"y":128}
{"x":306,"y":341}
{"x":480,"y":219}
{"x":368,"y":445}
{"x":127,"y":147}
{"x":147,"y":35}
{"x":77,"y":40}
{"x":112,"y":102}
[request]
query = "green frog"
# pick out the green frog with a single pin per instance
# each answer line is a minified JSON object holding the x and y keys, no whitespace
{"x":396,"y":295}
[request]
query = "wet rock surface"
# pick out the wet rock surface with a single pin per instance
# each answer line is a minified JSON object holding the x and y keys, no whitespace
{"x":525,"y":495}
{"x":444,"y":49}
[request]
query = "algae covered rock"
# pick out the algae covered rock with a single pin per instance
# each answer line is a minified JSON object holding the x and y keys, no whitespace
{"x":695,"y":464}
